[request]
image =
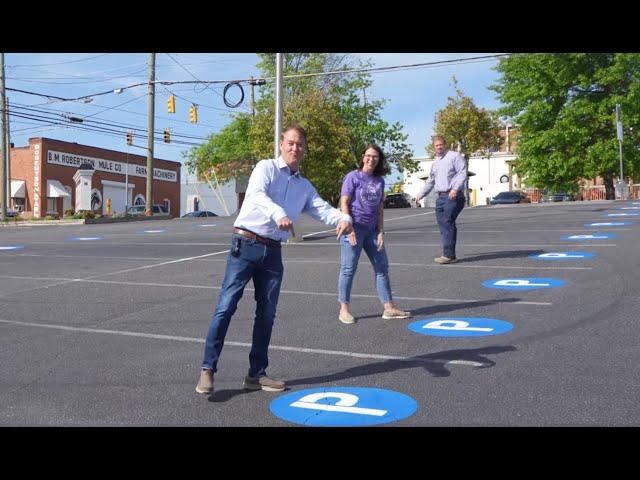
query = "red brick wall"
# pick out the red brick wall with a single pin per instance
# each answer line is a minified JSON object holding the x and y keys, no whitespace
{"x":22,"y":163}
{"x":22,"y":169}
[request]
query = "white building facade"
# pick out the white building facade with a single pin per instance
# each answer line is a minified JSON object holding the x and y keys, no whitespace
{"x":201,"y":195}
{"x":493,"y":174}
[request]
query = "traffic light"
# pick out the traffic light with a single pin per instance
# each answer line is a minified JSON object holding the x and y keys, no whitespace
{"x":193,"y":114}
{"x":129,"y":138}
{"x":167,"y":136}
{"x":171,"y":104}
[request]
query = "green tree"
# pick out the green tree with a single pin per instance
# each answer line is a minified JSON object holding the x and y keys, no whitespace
{"x":564,"y":106}
{"x":228,"y":152}
{"x":333,"y":110}
{"x":471,"y":128}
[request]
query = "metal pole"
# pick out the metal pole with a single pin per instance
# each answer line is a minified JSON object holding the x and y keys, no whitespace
{"x":150,"y":127}
{"x":126,"y":186}
{"x":3,"y":143}
{"x":619,"y":132}
{"x":620,"y":153}
{"x":253,"y":109}
{"x":8,"y":155}
{"x":278,"y":126}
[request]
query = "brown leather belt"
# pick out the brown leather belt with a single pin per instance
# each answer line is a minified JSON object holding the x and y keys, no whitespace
{"x":267,"y":241}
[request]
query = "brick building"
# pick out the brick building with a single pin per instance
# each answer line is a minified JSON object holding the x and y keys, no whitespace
{"x":42,"y":178}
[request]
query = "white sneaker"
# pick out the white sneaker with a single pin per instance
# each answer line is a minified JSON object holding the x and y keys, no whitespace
{"x":346,"y":318}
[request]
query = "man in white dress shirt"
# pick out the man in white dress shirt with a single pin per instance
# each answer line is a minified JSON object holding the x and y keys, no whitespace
{"x":275,"y":197}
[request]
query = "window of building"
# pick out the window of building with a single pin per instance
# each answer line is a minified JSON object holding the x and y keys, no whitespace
{"x":52,"y":207}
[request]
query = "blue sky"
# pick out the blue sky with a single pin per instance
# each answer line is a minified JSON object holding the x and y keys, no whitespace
{"x":413,"y":96}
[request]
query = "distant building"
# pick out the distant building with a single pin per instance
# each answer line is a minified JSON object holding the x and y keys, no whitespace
{"x":42,"y":178}
{"x":492,"y":173}
{"x":198,"y":195}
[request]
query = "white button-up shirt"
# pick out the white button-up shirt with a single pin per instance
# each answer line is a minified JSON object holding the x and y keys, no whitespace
{"x":273,"y":193}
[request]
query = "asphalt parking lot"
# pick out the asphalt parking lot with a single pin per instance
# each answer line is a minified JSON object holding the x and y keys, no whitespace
{"x":104,"y":324}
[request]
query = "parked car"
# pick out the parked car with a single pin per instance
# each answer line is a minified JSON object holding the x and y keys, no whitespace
{"x":398,"y":200}
{"x":556,"y":197}
{"x":141,"y":209}
{"x":510,"y":197}
{"x":201,"y":213}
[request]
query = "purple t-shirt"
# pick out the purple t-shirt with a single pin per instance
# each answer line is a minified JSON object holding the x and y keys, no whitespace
{"x":366,"y":192}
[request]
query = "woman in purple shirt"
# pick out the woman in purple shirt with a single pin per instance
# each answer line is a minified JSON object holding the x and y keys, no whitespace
{"x":362,"y":197}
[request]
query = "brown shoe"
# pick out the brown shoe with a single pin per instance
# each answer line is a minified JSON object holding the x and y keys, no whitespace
{"x":205,"y":384}
{"x":395,"y":313}
{"x":444,"y":260}
{"x":263,"y":383}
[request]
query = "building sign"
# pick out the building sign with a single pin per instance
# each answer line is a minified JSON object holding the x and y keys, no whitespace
{"x":36,"y":180}
{"x":102,"y":165}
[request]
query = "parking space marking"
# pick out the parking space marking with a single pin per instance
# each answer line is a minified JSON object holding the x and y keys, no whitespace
{"x":177,"y":338}
{"x":387,"y":220}
{"x":464,"y":244}
{"x":248,"y":289}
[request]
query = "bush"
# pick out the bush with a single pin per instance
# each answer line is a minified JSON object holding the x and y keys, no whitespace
{"x":84,"y":214}
{"x":50,"y":217}
{"x":69,"y":212}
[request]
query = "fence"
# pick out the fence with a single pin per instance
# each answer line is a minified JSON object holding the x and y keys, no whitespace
{"x":596,"y":192}
{"x":533,"y":194}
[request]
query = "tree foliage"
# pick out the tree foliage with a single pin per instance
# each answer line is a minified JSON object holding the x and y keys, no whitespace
{"x":564,"y":106}
{"x":463,"y":123}
{"x":331,"y":108}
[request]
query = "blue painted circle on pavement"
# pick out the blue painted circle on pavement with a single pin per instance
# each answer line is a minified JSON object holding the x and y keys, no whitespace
{"x":589,"y":236}
{"x":621,"y":214}
{"x":607,"y":224}
{"x":460,"y":326}
{"x":205,"y":225}
{"x":523,"y":283}
{"x":569,"y":255}
{"x":343,"y":406}
{"x":10,"y":248}
{"x":83,"y":239}
{"x":159,"y":230}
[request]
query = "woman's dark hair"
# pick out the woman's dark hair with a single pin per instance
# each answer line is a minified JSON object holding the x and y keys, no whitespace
{"x":382,"y":168}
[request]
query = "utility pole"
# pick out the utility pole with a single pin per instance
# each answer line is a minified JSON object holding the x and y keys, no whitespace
{"x":3,"y":143}
{"x":150,"y":126}
{"x":8,"y":150}
{"x":126,"y":187}
{"x":253,"y":108}
{"x":278,"y":126}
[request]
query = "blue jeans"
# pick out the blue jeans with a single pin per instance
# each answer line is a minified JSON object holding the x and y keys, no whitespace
{"x":349,"y":256}
{"x":447,"y":211}
{"x":263,"y":264}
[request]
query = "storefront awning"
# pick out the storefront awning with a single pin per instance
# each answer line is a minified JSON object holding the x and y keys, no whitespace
{"x":17,"y":189}
{"x":55,"y":189}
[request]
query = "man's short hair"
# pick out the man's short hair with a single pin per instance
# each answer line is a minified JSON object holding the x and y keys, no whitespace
{"x":438,"y":137}
{"x":297,"y":128}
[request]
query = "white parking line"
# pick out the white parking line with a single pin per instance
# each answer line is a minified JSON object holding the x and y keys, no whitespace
{"x":331,"y":262}
{"x":292,"y":292}
{"x":246,"y":345}
{"x":387,"y":220}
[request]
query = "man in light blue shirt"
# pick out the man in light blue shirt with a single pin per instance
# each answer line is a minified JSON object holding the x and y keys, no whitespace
{"x":448,"y":175}
{"x":275,"y":197}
